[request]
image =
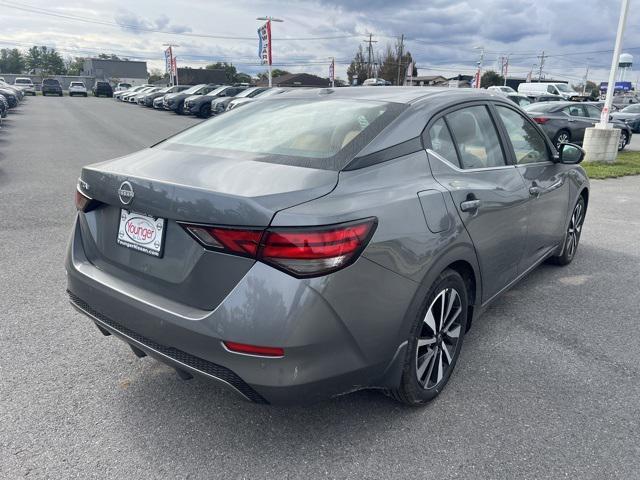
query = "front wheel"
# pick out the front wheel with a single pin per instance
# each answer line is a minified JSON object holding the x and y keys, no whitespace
{"x":572,"y":236}
{"x":624,"y":139}
{"x":205,"y":111}
{"x":435,"y":341}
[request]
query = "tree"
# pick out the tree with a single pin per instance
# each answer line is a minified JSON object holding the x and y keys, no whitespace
{"x":155,"y":75}
{"x":75,"y":66}
{"x":491,"y":79}
{"x":230,"y":71}
{"x":11,"y":61}
{"x":53,"y":64}
{"x":394,"y":61}
{"x":358,"y":69}
{"x":111,"y":56}
{"x":276,"y":72}
{"x":33,"y":59}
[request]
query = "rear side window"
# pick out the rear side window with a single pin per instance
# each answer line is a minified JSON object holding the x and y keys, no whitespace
{"x":476,"y":138}
{"x":442,"y":143}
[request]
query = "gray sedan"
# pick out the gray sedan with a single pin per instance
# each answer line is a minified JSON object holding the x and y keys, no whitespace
{"x":324,"y":241}
{"x":566,"y":122}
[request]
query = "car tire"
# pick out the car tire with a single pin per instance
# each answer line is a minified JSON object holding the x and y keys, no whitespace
{"x":623,"y":141}
{"x":563,"y":136}
{"x":205,"y":111}
{"x":572,"y":235}
{"x":435,"y":340}
{"x":180,"y":109}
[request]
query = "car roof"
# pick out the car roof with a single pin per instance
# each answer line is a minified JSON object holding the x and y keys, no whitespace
{"x":406,"y":95}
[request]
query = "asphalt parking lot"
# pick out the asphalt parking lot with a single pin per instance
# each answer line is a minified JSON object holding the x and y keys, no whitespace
{"x":547,"y":385}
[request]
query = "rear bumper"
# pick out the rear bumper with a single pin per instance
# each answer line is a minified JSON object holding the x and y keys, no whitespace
{"x":332,"y":345}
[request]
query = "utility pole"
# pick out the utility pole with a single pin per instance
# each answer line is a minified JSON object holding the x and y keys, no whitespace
{"x":506,"y":70}
{"x":173,"y":70}
{"x":370,"y":53}
{"x":332,"y":71}
{"x":400,"y":58}
{"x":586,"y":77}
{"x":541,"y":57}
{"x":270,"y":19}
{"x":480,"y":62}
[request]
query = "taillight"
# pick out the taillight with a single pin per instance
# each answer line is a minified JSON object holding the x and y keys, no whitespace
{"x":300,"y":251}
{"x":84,"y":203}
{"x":540,"y":120}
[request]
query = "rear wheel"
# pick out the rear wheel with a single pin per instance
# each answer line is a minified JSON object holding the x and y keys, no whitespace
{"x":435,"y":341}
{"x":624,"y":139}
{"x":572,"y":237}
{"x":563,"y":136}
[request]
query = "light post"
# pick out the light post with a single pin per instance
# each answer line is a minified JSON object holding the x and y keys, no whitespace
{"x":506,"y":70}
{"x":269,"y":19}
{"x":332,"y":71}
{"x":611,"y":86}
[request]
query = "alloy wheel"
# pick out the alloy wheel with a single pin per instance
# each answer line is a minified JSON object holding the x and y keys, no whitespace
{"x":575,"y":229}
{"x":438,"y":339}
{"x":622,"y":142}
{"x":562,"y":138}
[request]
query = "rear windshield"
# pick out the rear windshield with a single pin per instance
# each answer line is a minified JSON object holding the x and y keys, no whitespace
{"x":314,"y":133}
{"x":77,"y":84}
{"x":50,"y":81}
{"x":102,"y":84}
{"x":23,"y":80}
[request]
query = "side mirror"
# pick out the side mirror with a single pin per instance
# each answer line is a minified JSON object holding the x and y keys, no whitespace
{"x":570,"y":154}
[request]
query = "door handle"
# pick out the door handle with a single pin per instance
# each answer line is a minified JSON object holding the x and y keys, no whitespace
{"x":469,"y":205}
{"x":534,"y":191}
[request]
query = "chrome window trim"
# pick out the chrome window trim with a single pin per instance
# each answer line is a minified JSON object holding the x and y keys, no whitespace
{"x":466,"y":170}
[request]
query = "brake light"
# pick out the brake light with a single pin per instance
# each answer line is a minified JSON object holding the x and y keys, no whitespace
{"x":254,"y":349}
{"x":540,"y":120}
{"x":83,"y":202}
{"x":300,"y":251}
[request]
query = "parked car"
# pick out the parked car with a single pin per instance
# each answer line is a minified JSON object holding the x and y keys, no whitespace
{"x":219,"y":105}
{"x":501,"y":89}
{"x":375,"y":82}
{"x":4,"y":106}
{"x":629,"y":115}
{"x":122,"y":86}
{"x":77,"y":88}
{"x":269,"y":92}
{"x":546,"y":97}
{"x":139,"y":97}
{"x":319,"y":243}
{"x":118,"y":95}
{"x":201,"y":105}
{"x":150,"y":98}
{"x":566,"y":122}
{"x":25,"y":84}
{"x":102,"y":88}
{"x":175,"y":101}
{"x":51,"y":86}
{"x":129,"y":97}
{"x":10,"y":96}
{"x":13,"y":89}
{"x":554,"y":88}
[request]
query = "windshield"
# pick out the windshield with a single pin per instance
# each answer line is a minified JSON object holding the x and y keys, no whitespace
{"x":631,"y":109}
{"x":316,"y":129}
{"x":563,"y":88}
{"x":193,"y":89}
{"x":249,"y":92}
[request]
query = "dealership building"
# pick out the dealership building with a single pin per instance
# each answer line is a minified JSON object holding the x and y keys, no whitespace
{"x":115,"y":71}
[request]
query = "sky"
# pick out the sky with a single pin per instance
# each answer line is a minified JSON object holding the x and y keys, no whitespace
{"x":442,"y":35}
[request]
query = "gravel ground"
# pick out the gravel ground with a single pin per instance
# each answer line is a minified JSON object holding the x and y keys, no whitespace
{"x":547,"y":385}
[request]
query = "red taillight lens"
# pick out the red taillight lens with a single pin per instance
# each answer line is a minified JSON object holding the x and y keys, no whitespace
{"x":540,"y":120}
{"x":313,"y":251}
{"x":254,"y":349}
{"x":82,"y":201}
{"x":301,"y":251}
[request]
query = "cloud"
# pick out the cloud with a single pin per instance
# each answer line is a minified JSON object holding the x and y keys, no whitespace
{"x":133,"y":23}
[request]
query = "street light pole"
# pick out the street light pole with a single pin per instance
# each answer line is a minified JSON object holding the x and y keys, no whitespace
{"x":270,"y":19}
{"x":479,"y":72}
{"x":611,"y":86}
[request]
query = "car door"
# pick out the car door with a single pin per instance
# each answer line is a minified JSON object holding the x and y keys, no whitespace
{"x":468,"y":159}
{"x":545,"y":179}
{"x":579,"y":121}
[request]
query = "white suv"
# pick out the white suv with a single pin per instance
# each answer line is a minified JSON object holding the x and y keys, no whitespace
{"x":77,"y":88}
{"x":25,"y":84}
